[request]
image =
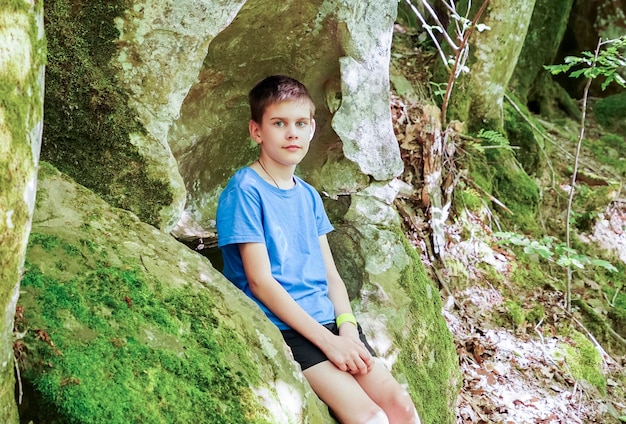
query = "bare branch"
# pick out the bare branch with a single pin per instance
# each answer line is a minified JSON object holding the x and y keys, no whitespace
{"x":430,"y":32}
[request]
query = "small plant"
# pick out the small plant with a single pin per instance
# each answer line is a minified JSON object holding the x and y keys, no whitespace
{"x":550,"y":249}
{"x":495,"y":139}
{"x":605,"y":62}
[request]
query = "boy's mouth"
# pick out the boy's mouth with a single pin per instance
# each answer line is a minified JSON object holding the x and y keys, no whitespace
{"x":292,"y":147}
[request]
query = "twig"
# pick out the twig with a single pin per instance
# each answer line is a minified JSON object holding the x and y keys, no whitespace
{"x":443,"y":30}
{"x":616,"y":335}
{"x":570,"y":202}
{"x":19,"y":381}
{"x":543,"y":350}
{"x":619,"y":405}
{"x":574,"y":391}
{"x":612,"y":303}
{"x":429,"y":30}
{"x":493,"y":199}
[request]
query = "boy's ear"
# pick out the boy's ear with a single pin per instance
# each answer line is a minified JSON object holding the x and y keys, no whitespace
{"x":255,"y":131}
{"x":312,"y":129}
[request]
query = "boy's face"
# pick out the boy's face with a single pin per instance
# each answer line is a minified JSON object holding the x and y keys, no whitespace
{"x":285,"y":132}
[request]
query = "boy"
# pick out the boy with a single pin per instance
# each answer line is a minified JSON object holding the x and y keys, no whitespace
{"x":272,"y":231}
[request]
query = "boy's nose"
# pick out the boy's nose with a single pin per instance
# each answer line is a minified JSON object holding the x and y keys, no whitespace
{"x":292,"y":132}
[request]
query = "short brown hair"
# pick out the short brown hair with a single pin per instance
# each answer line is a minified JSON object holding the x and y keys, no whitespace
{"x":275,"y":89}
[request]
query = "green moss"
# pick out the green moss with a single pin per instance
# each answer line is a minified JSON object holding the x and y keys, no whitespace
{"x":536,"y":314}
{"x":480,"y":171}
{"x":584,"y":361}
{"x":588,"y":203}
{"x":88,"y":121}
{"x":609,"y":149}
{"x":46,"y":241}
{"x":520,"y":194}
{"x":521,"y":135}
{"x":428,"y":356}
{"x":497,"y":172}
{"x":511,"y":186}
{"x":20,"y":112}
{"x":528,"y":272}
{"x":616,"y":281}
{"x":610,"y":112}
{"x":467,"y":198}
{"x":122,"y":350}
{"x":516,"y":313}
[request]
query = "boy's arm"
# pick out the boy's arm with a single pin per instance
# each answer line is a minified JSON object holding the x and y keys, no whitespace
{"x":346,"y":353}
{"x":337,"y":290}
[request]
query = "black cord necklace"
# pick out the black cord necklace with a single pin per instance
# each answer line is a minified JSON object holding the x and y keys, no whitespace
{"x":268,"y":174}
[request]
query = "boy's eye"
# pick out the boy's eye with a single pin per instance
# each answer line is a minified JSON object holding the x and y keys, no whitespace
{"x":279,"y":124}
{"x":301,"y":124}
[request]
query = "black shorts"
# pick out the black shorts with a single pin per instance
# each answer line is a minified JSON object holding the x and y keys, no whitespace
{"x":306,"y":353}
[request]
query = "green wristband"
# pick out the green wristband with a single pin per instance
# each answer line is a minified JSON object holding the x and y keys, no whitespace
{"x":345,"y":317}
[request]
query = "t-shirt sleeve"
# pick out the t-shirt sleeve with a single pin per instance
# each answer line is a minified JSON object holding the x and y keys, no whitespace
{"x":239,"y":217}
{"x":323,"y":223}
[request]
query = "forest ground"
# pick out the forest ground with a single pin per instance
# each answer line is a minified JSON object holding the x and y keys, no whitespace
{"x":516,"y":367}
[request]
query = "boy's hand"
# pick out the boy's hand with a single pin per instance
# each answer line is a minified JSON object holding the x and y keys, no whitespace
{"x":349,"y":354}
{"x":349,"y":330}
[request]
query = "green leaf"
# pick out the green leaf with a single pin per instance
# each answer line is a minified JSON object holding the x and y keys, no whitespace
{"x":564,"y":261}
{"x":577,"y":263}
{"x":562,"y":249}
{"x":571,"y":59}
{"x":539,"y":249}
{"x":511,"y":238}
{"x":604,"y":264}
{"x":606,"y":82}
{"x":581,"y":259}
{"x":557,"y":69}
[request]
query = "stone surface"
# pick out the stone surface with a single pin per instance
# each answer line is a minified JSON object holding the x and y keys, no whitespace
{"x":170,"y":89}
{"x":163,"y":46}
{"x":397,"y":304}
{"x":96,"y":280}
{"x":339,"y":49}
{"x":22,"y":58}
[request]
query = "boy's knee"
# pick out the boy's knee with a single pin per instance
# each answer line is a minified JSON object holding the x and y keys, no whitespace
{"x":373,"y":415}
{"x":403,"y":410}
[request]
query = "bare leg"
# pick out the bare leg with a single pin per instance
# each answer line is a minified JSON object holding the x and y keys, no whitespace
{"x":383,"y":389}
{"x":343,"y":394}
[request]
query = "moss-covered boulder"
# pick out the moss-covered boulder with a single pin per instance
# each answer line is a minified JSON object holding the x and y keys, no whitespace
{"x":120,"y":323}
{"x":22,"y":58}
{"x":398,"y":305}
{"x":117,"y":74}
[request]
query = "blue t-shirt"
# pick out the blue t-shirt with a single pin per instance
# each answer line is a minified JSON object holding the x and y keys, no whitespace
{"x":289,"y":222}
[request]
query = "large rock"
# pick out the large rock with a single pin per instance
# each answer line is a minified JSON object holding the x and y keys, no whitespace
{"x":121,"y":323}
{"x":397,"y":304}
{"x":340,"y":50}
{"x":22,"y":58}
{"x":148,"y":108}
